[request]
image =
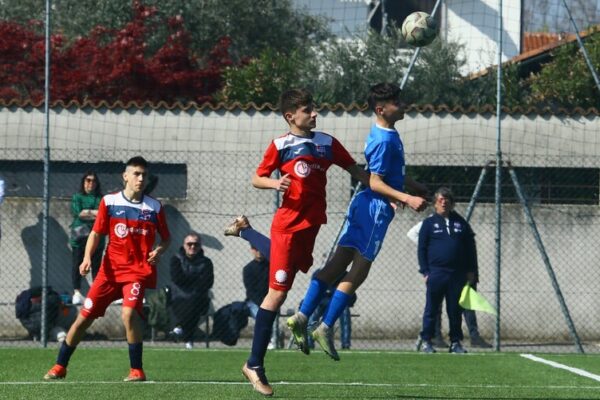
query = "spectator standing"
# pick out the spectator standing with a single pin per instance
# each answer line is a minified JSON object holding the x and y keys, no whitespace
{"x":447,"y":260}
{"x":84,"y":208}
{"x":469,"y":315}
{"x":192,"y":276}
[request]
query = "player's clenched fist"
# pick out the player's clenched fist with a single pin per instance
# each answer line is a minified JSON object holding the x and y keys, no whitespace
{"x":284,"y":183}
{"x":85,"y":267}
{"x":417,"y":203}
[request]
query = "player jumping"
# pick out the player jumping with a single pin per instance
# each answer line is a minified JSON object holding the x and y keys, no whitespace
{"x":303,"y":157}
{"x":368,"y":217}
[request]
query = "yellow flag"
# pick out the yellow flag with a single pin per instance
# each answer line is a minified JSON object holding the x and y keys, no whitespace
{"x":471,"y":300}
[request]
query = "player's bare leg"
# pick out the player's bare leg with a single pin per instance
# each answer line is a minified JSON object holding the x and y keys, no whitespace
{"x":338,"y":263}
{"x":77,"y":330}
{"x":74,"y":336}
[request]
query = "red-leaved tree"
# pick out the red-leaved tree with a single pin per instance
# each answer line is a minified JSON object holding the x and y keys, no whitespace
{"x":111,"y":65}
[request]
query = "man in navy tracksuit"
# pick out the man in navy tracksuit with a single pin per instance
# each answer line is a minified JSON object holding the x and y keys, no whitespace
{"x":447,"y":260}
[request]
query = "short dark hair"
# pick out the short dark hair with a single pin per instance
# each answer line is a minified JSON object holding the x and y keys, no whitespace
{"x":292,"y":99}
{"x":194,"y":234}
{"x":444,"y":191}
{"x":137,"y":161}
{"x":382,"y":92}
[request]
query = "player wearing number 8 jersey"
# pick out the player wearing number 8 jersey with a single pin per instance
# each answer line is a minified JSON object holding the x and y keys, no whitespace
{"x":131,"y":220}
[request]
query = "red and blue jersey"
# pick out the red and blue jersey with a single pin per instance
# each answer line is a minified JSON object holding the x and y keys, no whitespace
{"x":131,"y":228}
{"x":306,"y":160}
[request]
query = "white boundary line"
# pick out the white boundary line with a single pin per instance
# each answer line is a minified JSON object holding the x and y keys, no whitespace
{"x":554,"y":364}
{"x":284,"y":383}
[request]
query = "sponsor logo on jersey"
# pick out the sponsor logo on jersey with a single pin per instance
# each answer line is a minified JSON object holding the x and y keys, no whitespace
{"x":302,"y":169}
{"x":297,"y":152}
{"x":321,"y":150}
{"x":132,"y":298}
{"x":146,"y":215}
{"x":457,"y":227}
{"x":120,"y":212}
{"x":281,"y":276}
{"x":121,"y":230}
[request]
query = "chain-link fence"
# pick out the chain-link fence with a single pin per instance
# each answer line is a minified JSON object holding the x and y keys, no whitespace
{"x":203,"y":190}
{"x":203,"y":156}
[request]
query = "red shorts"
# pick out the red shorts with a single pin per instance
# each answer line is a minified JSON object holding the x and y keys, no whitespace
{"x":102,"y":293}
{"x":290,"y":253}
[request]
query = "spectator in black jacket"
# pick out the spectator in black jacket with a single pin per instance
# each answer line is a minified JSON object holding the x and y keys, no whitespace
{"x":192,"y":276}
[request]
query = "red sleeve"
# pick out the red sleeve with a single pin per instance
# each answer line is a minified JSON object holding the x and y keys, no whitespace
{"x":101,"y":226}
{"x":161,"y":225}
{"x":270,"y":161}
{"x":341,"y":156}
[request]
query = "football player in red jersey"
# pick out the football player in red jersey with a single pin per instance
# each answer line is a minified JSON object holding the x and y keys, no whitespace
{"x":302,"y":156}
{"x":131,"y":220}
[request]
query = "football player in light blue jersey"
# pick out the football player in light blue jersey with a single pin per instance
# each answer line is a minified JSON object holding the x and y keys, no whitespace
{"x":368,"y":217}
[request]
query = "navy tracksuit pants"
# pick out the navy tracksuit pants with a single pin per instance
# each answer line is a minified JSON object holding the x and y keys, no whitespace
{"x":442,"y":285}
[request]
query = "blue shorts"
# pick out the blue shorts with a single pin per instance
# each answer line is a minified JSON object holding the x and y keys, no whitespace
{"x":367,"y":224}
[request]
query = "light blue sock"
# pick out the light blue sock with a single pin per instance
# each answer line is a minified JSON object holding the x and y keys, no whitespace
{"x":339,"y":301}
{"x":314,"y":295}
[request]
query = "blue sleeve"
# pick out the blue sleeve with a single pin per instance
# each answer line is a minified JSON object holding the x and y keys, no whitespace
{"x":423,"y":246}
{"x":379,"y":157}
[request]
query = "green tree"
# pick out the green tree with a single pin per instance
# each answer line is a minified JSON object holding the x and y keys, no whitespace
{"x":261,"y":80}
{"x":253,"y":26}
{"x":567,"y":81}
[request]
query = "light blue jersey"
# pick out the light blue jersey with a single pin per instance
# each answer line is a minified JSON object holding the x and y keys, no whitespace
{"x":370,"y":213}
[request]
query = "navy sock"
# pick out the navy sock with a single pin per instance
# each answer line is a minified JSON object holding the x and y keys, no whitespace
{"x":64,"y":354}
{"x":259,"y":241}
{"x":135,"y":355}
{"x":262,"y":335}
{"x":314,"y":295}
{"x":339,"y":301}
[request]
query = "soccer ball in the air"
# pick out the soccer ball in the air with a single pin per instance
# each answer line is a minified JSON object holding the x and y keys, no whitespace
{"x":419,"y":29}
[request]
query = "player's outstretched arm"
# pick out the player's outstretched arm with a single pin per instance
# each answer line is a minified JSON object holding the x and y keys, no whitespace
{"x":359,"y":174}
{"x":378,"y":185}
{"x":264,"y":182}
{"x":416,"y":187}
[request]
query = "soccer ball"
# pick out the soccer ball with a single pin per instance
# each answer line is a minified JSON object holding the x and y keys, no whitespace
{"x":419,"y":29}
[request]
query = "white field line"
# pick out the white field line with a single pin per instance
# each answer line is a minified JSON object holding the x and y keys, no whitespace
{"x":554,"y":364}
{"x":225,"y":383}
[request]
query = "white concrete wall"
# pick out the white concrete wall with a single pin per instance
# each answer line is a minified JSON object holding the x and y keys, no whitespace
{"x":221,"y":150}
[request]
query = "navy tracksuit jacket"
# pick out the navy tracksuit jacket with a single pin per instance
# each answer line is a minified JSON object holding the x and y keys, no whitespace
{"x":446,"y":253}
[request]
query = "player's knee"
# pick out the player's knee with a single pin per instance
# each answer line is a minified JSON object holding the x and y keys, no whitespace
{"x":128,"y":315}
{"x":274,"y":299}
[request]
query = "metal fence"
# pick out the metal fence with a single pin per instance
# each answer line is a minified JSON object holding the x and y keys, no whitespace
{"x":387,"y":315}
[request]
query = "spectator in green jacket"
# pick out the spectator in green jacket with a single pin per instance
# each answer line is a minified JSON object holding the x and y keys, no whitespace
{"x":84,"y":208}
